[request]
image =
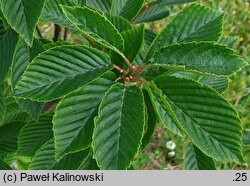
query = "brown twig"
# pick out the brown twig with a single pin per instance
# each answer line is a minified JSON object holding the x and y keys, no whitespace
{"x":145,"y":8}
{"x":119,"y":69}
{"x":39,"y":32}
{"x":65,"y":35}
{"x":132,"y":75}
{"x":130,"y":66}
{"x":138,"y":70}
{"x":89,"y":40}
{"x":57,"y":32}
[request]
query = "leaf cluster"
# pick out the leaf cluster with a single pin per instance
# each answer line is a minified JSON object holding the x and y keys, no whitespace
{"x":94,"y":105}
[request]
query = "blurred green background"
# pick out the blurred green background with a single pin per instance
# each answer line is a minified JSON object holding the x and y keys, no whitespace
{"x":166,"y":150}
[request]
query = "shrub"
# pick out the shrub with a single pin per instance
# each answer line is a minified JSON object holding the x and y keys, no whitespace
{"x":93,"y":102}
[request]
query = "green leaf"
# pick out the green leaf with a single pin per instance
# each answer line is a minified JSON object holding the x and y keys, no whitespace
{"x":205,"y":57}
{"x":133,"y":40}
{"x":67,"y":68}
{"x":119,"y":127}
{"x":149,"y":37}
{"x":95,"y":26}
{"x":53,"y":12}
{"x":163,"y":109}
{"x":74,"y":116}
{"x":246,"y":137}
{"x":209,"y":120}
{"x":220,"y":84}
{"x":80,"y":2}
{"x":229,"y":41}
{"x":89,"y":163}
{"x":34,"y":134}
{"x":120,"y":23}
{"x":153,"y":13}
{"x":173,"y":2}
{"x":4,"y":165}
{"x":33,"y":108}
{"x":58,"y":43}
{"x":11,"y":105}
{"x":20,"y":61}
{"x":7,"y":48}
{"x":8,"y":137}
{"x":13,"y":112}
{"x":194,"y":23}
{"x":151,"y":121}
{"x":100,"y":5}
{"x":3,"y":21}
{"x":2,"y":104}
{"x":72,"y":161}
{"x":22,"y":15}
{"x":23,"y":162}
{"x":195,"y":159}
{"x":139,"y":60}
{"x":2,"y":30}
{"x":184,"y":74}
{"x":45,"y":159}
{"x":126,"y":8}
{"x":22,"y":57}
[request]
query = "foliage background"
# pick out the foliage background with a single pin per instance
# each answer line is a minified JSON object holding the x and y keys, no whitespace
{"x":160,"y":153}
{"x":166,"y":150}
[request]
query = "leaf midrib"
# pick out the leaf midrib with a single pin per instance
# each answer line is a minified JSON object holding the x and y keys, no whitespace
{"x":120,"y":124}
{"x":107,"y":43}
{"x":63,"y":79}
